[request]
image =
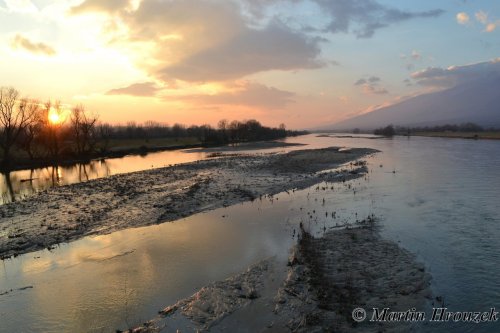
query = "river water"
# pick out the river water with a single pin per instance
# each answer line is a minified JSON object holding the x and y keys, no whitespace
{"x":20,"y":184}
{"x":436,"y":197}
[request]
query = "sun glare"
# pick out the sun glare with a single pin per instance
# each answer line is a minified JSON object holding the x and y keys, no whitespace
{"x":54,"y":117}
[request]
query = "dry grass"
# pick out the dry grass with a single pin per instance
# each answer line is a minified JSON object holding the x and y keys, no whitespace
{"x":120,"y":144}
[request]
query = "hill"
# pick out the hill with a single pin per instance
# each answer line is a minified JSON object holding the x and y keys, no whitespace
{"x":476,"y":101}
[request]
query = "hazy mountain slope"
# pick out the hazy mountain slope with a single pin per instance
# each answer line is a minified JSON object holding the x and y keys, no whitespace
{"x":476,"y":101}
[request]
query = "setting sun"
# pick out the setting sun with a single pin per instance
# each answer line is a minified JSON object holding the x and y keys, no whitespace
{"x":54,"y":117}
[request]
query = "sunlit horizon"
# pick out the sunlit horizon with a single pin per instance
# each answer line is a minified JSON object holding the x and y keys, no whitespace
{"x":306,"y":63}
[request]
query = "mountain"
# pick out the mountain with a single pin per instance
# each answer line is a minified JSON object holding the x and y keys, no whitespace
{"x":476,"y":101}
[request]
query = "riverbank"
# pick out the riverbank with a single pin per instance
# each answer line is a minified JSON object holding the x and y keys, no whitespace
{"x":461,"y":135}
{"x":325,"y":279}
{"x":105,"y":205}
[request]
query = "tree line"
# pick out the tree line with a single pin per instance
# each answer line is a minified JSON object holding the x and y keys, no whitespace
{"x":225,"y":132}
{"x":469,"y":127}
{"x":49,"y":132}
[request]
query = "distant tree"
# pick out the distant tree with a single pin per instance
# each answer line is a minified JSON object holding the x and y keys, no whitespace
{"x":178,"y":130}
{"x":223,"y":125}
{"x":356,"y":131}
{"x":253,"y":130}
{"x":15,"y":116}
{"x":234,"y":131}
{"x":470,"y":127}
{"x":386,"y":131}
{"x":104,"y":131}
{"x":282,"y":129}
{"x":83,"y":130}
{"x":32,"y":132}
{"x":53,"y":129}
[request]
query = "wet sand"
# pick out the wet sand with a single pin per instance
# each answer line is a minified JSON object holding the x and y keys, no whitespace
{"x":316,"y":291}
{"x":143,"y":198}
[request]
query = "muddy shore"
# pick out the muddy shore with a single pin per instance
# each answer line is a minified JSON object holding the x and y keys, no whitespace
{"x":325,"y":279}
{"x":143,"y":198}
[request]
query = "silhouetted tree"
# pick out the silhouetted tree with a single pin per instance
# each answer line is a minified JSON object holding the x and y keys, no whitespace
{"x":53,"y":130}
{"x":15,"y":116}
{"x":386,"y":131}
{"x":83,"y":130}
{"x":31,"y":135}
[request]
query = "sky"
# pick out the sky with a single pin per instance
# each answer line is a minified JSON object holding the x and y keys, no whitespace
{"x":305,"y":63}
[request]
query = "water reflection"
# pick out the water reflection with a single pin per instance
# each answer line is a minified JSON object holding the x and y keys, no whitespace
{"x":114,"y":281}
{"x":17,"y":185}
{"x":20,"y":184}
{"x":8,"y":195}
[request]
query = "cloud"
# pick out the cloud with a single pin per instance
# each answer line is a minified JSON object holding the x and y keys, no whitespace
{"x":275,"y":47}
{"x":360,"y":82}
{"x":411,"y":59}
{"x":100,"y":6}
{"x":490,"y":27}
{"x":206,"y":41}
{"x":146,"y":89}
{"x":369,"y":89}
{"x":21,"y":42}
{"x":371,"y":86}
{"x":247,"y":94}
{"x":436,"y":77}
{"x":462,"y":18}
{"x":416,"y":55}
{"x":482,"y":17}
{"x":366,"y":15}
{"x":19,"y":6}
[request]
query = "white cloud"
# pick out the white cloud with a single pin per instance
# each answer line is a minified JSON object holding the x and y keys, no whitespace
{"x":463,"y":18}
{"x":21,"y":6}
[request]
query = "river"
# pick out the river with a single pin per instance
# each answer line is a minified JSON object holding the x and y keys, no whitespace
{"x":436,"y":197}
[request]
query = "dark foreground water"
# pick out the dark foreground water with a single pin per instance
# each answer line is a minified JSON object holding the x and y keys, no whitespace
{"x":437,"y":197}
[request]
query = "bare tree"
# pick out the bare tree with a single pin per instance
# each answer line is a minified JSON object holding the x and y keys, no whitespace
{"x":34,"y":128}
{"x":53,"y":129}
{"x":15,"y":116}
{"x":105,"y":132}
{"x":223,"y":126}
{"x":84,"y":132}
